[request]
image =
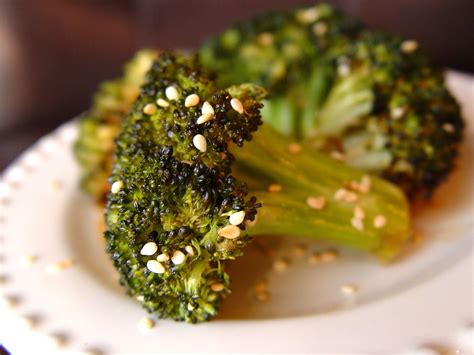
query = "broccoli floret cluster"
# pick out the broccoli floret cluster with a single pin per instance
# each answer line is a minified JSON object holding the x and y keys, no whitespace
{"x":175,"y":212}
{"x":335,"y":85}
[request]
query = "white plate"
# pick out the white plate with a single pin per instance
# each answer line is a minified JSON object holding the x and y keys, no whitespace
{"x":425,"y":298}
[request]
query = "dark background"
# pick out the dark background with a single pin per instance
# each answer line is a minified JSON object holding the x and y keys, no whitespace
{"x":53,"y":53}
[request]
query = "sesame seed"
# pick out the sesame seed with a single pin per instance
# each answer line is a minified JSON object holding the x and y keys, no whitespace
{"x":149,"y":248}
{"x":237,"y":218}
{"x":217,"y":287}
{"x":349,"y":289}
{"x":379,"y":221}
{"x":448,"y":127}
{"x":237,"y":105}
{"x":191,"y":100}
{"x":280,"y":265}
{"x":337,"y":155}
{"x":200,"y":142}
{"x":162,"y":103}
{"x":145,"y":324}
{"x":359,"y":212}
{"x":275,"y":188}
{"x":262,"y":296}
{"x":298,"y":250}
{"x":316,"y":203}
{"x":229,"y":232}
{"x":116,"y":187}
{"x":171,"y":93}
{"x":357,"y":223}
{"x":320,"y":29}
{"x":59,"y":266}
{"x":207,"y":108}
{"x":189,"y":249}
{"x":314,"y":259}
{"x":140,"y":298}
{"x":150,"y":109}
{"x":409,"y":46}
{"x":163,"y":257}
{"x":397,"y":112}
{"x":343,"y":69}
{"x":178,"y":257}
{"x":365,"y":184}
{"x":155,"y":267}
{"x":204,"y":118}
{"x":308,"y":15}
{"x":265,"y":39}
{"x":329,"y":256}
{"x":343,"y":194}
{"x":294,"y":148}
{"x":27,"y":260}
{"x":261,"y":286}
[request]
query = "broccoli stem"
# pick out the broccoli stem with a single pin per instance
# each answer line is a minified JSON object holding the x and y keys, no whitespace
{"x":266,"y":160}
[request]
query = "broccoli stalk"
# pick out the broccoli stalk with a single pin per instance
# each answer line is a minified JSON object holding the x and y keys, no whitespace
{"x":186,"y":189}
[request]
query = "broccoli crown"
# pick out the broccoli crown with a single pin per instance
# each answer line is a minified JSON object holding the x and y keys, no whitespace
{"x":172,"y":190}
{"x":100,"y":125}
{"x":334,"y":84}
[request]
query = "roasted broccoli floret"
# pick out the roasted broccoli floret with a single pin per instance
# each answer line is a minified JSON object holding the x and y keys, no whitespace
{"x":338,"y":87}
{"x":184,"y":189}
{"x":100,"y":125}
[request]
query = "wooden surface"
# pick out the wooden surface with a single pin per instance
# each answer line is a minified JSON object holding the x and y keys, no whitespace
{"x":53,"y":53}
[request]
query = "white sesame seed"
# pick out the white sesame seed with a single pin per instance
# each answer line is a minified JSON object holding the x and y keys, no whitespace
{"x":162,"y":103}
{"x":237,"y":105}
{"x":191,"y":100}
{"x":337,"y":155}
{"x":280,"y":265}
{"x":116,"y":187}
{"x":149,"y":248}
{"x":140,"y":298}
{"x":294,"y":148}
{"x":237,"y":218}
{"x":262,"y":296}
{"x":265,"y":39}
{"x":200,"y":142}
{"x":343,"y":69}
{"x":397,"y":112}
{"x":204,"y":118}
{"x":163,"y":257}
{"x":359,"y":212}
{"x":145,"y":324}
{"x":27,"y":260}
{"x":357,"y":223}
{"x":365,"y":184}
{"x":189,"y":249}
{"x":380,"y":221}
{"x":155,"y":267}
{"x":343,"y":194}
{"x":298,"y":250}
{"x":320,"y":29}
{"x":329,"y":256}
{"x":217,"y":287}
{"x":59,"y":266}
{"x":409,"y":46}
{"x":308,"y":15}
{"x":349,"y":289}
{"x":229,"y":232}
{"x":448,"y":127}
{"x":261,"y":286}
{"x":207,"y":108}
{"x":316,"y":203}
{"x":350,"y":196}
{"x":171,"y":93}
{"x":150,"y":109}
{"x":275,"y":188}
{"x":314,"y":259}
{"x":178,"y":257}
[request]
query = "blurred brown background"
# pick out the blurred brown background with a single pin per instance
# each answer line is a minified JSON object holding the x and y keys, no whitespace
{"x":53,"y":53}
